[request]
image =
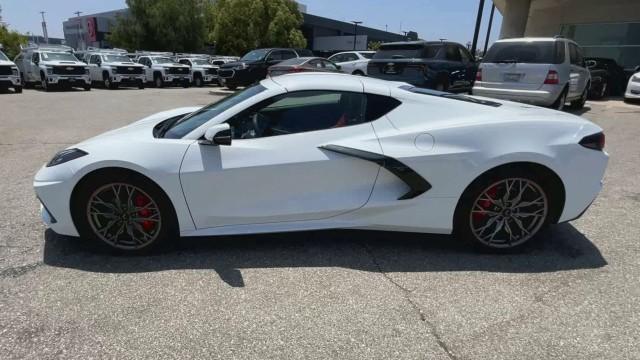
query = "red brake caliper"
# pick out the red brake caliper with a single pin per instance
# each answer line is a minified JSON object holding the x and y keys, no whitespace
{"x":485,"y":204}
{"x":140,"y":201}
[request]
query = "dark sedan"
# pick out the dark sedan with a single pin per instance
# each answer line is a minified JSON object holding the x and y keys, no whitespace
{"x":303,"y":64}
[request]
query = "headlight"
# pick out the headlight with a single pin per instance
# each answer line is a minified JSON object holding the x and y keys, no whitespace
{"x":66,"y":155}
{"x":15,"y":72}
{"x":86,"y":71}
{"x":240,"y":67}
{"x":635,"y":79}
{"x":49,"y":70}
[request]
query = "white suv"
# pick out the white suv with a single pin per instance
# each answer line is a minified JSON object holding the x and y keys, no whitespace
{"x":539,"y":71}
{"x":112,"y":69}
{"x":353,"y":62}
{"x":162,"y":70}
{"x":52,"y":66}
{"x":9,"y":74}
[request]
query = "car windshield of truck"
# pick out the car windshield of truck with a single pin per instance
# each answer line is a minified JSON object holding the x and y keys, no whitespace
{"x":408,"y":51}
{"x":182,"y":126}
{"x":255,"y":55}
{"x":163,"y":60}
{"x":539,"y":52}
{"x":200,"y":61}
{"x":57,"y":56}
{"x":3,"y":56}
{"x":116,"y":58}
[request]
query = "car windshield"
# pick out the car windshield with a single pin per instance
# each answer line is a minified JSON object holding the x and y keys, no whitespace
{"x":162,"y":60}
{"x":200,"y":61}
{"x":367,"y":55}
{"x":409,"y":51}
{"x":540,"y":52}
{"x":3,"y":56}
{"x":116,"y":58}
{"x":255,"y":55}
{"x":187,"y":124}
{"x":57,"y":56}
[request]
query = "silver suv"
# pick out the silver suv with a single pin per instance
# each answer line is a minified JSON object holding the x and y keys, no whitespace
{"x":539,"y":71}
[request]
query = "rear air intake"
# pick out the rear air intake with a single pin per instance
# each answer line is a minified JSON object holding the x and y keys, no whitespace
{"x":595,"y":141}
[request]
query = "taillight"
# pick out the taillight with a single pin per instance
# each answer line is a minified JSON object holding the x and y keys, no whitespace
{"x":595,"y":141}
{"x":296,"y":69}
{"x":479,"y":75}
{"x":552,"y":78}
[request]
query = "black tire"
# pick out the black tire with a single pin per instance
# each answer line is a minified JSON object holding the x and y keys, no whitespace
{"x":579,"y":104}
{"x":560,"y":101}
{"x":442,"y":84}
{"x":358,"y":73}
{"x":475,"y":197}
{"x":140,"y":84}
{"x":157,"y":81}
{"x":162,"y":234}
{"x":197,"y":81}
{"x":17,"y":89}
{"x":25,"y":84}
{"x":44,"y":84}
{"x":232,"y":87}
{"x":87,"y":87}
{"x":186,"y":84}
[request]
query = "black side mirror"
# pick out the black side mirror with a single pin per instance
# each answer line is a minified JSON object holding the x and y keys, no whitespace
{"x":223,"y":138}
{"x":219,"y":134}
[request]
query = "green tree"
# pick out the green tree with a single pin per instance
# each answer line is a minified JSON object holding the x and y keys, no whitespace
{"x":238,"y":26}
{"x":374,"y":45}
{"x":11,"y":41}
{"x":169,"y":25}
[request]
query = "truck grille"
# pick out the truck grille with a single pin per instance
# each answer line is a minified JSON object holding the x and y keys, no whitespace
{"x":129,"y":70}
{"x":68,"y":70}
{"x":5,"y":70}
{"x":178,"y":71}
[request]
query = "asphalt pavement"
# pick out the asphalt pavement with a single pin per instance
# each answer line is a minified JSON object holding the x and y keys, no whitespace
{"x":311,"y":295}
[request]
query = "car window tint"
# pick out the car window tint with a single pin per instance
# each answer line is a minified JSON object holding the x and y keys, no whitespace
{"x":379,"y":105}
{"x":453,"y":54}
{"x":537,"y":52}
{"x":288,"y":54}
{"x":299,"y":112}
{"x":464,"y":55}
{"x":315,"y":63}
{"x":329,"y":65}
{"x":337,"y":58}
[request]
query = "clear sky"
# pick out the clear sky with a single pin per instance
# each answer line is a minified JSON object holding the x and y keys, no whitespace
{"x":432,"y":19}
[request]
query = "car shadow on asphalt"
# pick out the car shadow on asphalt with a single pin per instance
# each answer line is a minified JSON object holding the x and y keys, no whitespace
{"x":561,"y":248}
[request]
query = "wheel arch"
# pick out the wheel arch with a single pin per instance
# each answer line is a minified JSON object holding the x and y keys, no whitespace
{"x":99,"y":172}
{"x":554,"y":182}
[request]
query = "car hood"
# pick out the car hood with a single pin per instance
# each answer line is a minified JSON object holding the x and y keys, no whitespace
{"x":238,"y":63}
{"x":131,"y":64}
{"x":172,"y":65}
{"x":63,"y":63}
{"x":5,"y":63}
{"x":140,"y":130}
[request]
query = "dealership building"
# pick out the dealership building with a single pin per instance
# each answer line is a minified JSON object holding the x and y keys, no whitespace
{"x":604,"y":28}
{"x":322,"y":34}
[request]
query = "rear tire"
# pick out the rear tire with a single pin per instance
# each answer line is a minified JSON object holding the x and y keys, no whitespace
{"x":142,"y":221}
{"x":140,"y":84}
{"x":560,"y":101}
{"x":442,"y":85}
{"x":579,"y":104}
{"x":489,"y":221}
{"x":44,"y":84}
{"x":232,"y":87}
{"x":186,"y":84}
{"x":158,"y":82}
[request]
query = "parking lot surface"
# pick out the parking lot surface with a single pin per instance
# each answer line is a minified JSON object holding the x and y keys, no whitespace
{"x":329,"y":294}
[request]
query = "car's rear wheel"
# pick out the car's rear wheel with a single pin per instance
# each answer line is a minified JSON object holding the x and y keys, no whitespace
{"x":503,"y":211}
{"x":579,"y":103}
{"x":124,"y":212}
{"x":157,"y":80}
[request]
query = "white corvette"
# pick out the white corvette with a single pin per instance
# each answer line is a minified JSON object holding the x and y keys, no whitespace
{"x":319,"y":151}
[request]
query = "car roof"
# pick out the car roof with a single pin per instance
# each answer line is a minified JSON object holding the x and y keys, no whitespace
{"x":333,"y":81}
{"x":535,"y":39}
{"x":420,"y":42}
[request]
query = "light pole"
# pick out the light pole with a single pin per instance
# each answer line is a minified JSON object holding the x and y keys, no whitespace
{"x":474,"y":44}
{"x":45,"y":34}
{"x":486,"y":41}
{"x":355,"y":33}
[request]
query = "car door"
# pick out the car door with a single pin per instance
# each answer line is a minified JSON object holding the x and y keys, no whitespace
{"x":275,"y":169}
{"x":148,"y":72}
{"x":349,"y":64}
{"x":578,"y":72}
{"x":32,"y":69}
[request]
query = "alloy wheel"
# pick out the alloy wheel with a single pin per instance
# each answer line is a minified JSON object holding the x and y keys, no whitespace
{"x":508,"y":213}
{"x":562,"y":100}
{"x":124,"y":216}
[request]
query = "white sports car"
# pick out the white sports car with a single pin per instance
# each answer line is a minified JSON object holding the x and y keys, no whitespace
{"x":320,"y":151}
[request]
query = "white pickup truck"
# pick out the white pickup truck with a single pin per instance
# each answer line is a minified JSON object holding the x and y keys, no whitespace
{"x":9,"y":74}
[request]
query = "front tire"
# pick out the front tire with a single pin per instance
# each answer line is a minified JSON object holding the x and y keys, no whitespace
{"x":559,"y":103}
{"x":17,"y":89}
{"x":158,"y":82}
{"x":504,"y":210}
{"x":197,"y":81}
{"x":124,"y":212}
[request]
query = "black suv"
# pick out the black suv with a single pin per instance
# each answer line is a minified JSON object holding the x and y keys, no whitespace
{"x":440,"y":65}
{"x":253,"y":66}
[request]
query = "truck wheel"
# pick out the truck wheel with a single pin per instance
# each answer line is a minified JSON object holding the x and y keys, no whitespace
{"x":17,"y":89}
{"x":197,"y":81}
{"x":232,"y":87}
{"x":140,"y":84}
{"x":442,"y":85}
{"x":87,"y":87}
{"x":106,"y":82}
{"x":186,"y":84}
{"x":157,"y":80}
{"x":44,"y":84}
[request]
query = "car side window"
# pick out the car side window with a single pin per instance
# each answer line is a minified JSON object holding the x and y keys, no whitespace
{"x":275,"y":55}
{"x":316,"y":63}
{"x":185,"y":62}
{"x":299,"y":112}
{"x":328,"y":65}
{"x":35,"y":57}
{"x":288,"y":54}
{"x":93,"y":59}
{"x":465,"y":55}
{"x":453,"y":54}
{"x":350,"y":57}
{"x":336,"y":58}
{"x":574,"y":55}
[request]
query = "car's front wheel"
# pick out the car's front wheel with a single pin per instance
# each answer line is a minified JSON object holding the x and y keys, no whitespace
{"x":124,"y":211}
{"x":504,"y":210}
